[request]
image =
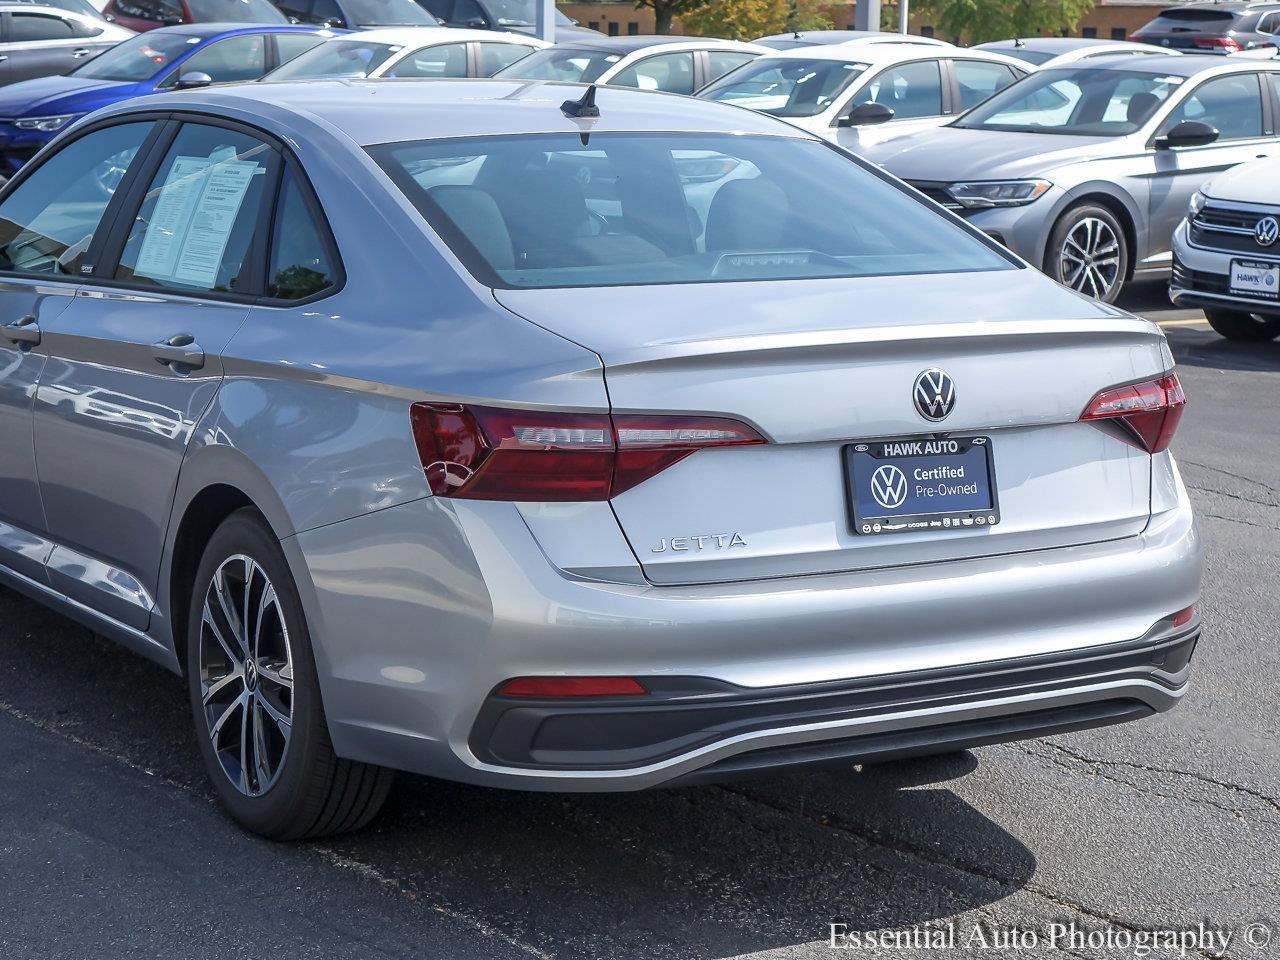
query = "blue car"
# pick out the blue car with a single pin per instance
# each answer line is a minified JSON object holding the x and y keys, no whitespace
{"x":34,"y":111}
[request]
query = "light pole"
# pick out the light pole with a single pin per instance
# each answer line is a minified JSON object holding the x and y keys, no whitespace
{"x":544,"y":24}
{"x":904,"y":16}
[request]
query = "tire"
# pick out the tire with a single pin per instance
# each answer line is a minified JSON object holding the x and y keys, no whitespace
{"x":1238,"y":325}
{"x":1088,"y":252}
{"x":285,"y":782}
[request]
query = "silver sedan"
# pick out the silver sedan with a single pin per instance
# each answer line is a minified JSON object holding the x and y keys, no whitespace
{"x":481,"y":430}
{"x":1084,"y":171}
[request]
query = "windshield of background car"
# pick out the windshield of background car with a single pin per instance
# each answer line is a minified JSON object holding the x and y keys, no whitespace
{"x":138,"y":58}
{"x":561,"y":63}
{"x":785,"y":86}
{"x":234,"y":11}
{"x":1083,"y":101}
{"x":336,"y":58}
{"x":647,"y":208}
{"x":387,"y":13}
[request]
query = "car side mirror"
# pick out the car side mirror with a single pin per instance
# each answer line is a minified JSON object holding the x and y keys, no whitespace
{"x":193,"y":81}
{"x":866,"y":114}
{"x":1188,"y":133}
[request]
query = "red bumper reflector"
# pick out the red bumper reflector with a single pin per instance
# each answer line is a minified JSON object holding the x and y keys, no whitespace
{"x":572,"y":687}
{"x":1183,"y":617}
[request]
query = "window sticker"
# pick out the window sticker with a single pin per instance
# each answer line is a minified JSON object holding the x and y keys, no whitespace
{"x":193,"y":219}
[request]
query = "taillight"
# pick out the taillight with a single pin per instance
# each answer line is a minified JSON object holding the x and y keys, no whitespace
{"x":572,"y":687}
{"x":486,"y":453}
{"x":1217,"y":43}
{"x":1151,"y":409}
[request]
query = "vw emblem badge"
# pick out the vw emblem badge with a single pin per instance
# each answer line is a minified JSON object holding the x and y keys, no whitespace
{"x":889,"y":486}
{"x":1266,"y":231}
{"x":935,"y":394}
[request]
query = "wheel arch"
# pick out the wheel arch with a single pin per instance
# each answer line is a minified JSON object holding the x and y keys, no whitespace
{"x":1122,"y":208}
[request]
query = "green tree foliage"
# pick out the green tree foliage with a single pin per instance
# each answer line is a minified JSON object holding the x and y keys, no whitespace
{"x":748,"y":19}
{"x":976,"y":21}
{"x":664,"y":11}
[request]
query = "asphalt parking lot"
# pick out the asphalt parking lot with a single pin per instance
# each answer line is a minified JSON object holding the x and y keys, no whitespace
{"x":112,"y":845}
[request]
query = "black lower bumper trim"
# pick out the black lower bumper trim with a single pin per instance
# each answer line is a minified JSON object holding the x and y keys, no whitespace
{"x":681,"y":714}
{"x":921,"y":742}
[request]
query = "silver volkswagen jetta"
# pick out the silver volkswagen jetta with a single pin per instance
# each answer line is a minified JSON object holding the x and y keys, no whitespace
{"x":1086,"y":170}
{"x":449,"y":426}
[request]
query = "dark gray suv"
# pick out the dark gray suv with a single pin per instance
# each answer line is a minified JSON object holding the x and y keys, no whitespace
{"x":1214,"y":27}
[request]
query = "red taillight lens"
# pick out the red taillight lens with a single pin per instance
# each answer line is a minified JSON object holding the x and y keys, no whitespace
{"x":1150,"y":409}
{"x":485,"y":453}
{"x":1183,"y":617}
{"x":1217,"y":43}
{"x":572,"y":687}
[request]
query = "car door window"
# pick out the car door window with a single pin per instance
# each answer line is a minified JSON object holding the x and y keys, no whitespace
{"x":442,"y":60}
{"x":978,"y":80}
{"x":720,"y":62}
{"x":1270,"y":23}
{"x":236,"y":58}
{"x":493,"y":57}
{"x":26,"y":27}
{"x":327,"y":12}
{"x":910,"y":90}
{"x":1232,"y":105}
{"x":47,"y":222}
{"x":300,"y":264}
{"x":290,"y":45}
{"x":196,"y":226}
{"x":672,"y":72}
{"x":296,"y":10}
{"x":468,"y":13}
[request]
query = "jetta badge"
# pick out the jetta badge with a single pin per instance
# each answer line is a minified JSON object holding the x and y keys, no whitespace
{"x":1266,"y":231}
{"x":935,"y":394}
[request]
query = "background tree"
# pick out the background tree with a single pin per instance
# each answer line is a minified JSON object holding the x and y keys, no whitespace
{"x":748,"y":19}
{"x":976,"y":21}
{"x":664,"y":11}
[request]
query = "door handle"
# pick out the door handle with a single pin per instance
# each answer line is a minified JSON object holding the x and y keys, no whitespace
{"x":79,"y":52}
{"x":24,"y":330}
{"x":181,"y":352}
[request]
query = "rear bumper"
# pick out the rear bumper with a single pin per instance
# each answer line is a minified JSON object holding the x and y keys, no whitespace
{"x":419,"y":612}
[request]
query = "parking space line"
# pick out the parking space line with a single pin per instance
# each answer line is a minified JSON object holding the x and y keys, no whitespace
{"x":1184,"y":323}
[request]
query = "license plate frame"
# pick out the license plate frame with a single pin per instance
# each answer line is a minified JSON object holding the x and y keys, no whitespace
{"x":1269,"y":270}
{"x":899,"y":451}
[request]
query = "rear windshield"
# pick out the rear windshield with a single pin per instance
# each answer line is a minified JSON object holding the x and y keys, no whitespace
{"x":561,"y":63}
{"x":335,"y":58}
{"x":785,"y":86}
{"x":1182,"y":17}
{"x":645,"y":208}
{"x":234,"y":11}
{"x":138,"y":58}
{"x":1033,"y":57}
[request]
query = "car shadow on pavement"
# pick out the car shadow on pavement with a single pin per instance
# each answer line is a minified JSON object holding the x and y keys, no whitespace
{"x":708,"y":871}
{"x":1201,"y":349}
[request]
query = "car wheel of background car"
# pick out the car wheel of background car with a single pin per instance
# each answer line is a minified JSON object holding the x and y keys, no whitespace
{"x":1087,"y":252}
{"x":256,"y":699}
{"x":1238,"y":325}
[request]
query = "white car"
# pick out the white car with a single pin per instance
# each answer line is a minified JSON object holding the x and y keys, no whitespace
{"x":668,"y":64}
{"x":1047,"y":52}
{"x":410,"y":52}
{"x":822,"y":38}
{"x":1226,"y":253}
{"x":858,"y":95}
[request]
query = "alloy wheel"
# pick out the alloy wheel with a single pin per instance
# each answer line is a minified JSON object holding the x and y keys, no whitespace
{"x":246,"y":675}
{"x":1089,"y":260}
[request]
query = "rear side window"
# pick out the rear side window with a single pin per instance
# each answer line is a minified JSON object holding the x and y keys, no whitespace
{"x":226,"y":61}
{"x":38,"y":26}
{"x":641,"y":208}
{"x":46,"y":223}
{"x":300,"y":264}
{"x":196,"y":227}
{"x":159,"y":11}
{"x":978,"y":80}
